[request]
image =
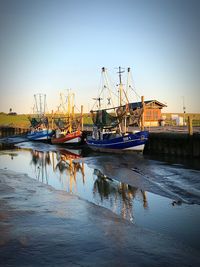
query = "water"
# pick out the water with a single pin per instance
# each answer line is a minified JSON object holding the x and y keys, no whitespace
{"x":159,"y":195}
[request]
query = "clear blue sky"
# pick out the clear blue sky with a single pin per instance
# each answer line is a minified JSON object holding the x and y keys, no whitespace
{"x":49,"y":46}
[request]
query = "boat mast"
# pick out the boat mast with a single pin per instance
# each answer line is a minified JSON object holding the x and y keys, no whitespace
{"x":120,"y":86}
{"x":36,"y":105}
{"x":44,"y":103}
{"x":69,"y":109}
{"x":40,"y":98}
{"x":122,"y":127}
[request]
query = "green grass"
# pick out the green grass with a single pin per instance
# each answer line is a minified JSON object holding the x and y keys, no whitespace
{"x":22,"y":120}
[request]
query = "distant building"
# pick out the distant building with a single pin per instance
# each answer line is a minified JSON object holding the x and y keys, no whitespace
{"x":152,"y":112}
{"x":12,"y":113}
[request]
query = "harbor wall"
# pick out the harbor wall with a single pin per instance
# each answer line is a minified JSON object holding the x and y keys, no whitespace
{"x":176,"y":144}
{"x":9,"y":131}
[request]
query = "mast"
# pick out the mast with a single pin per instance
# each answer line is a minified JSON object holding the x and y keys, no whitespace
{"x":40,"y":104}
{"x":36,"y":105}
{"x":120,"y":99}
{"x":44,"y":103}
{"x":120,"y":86}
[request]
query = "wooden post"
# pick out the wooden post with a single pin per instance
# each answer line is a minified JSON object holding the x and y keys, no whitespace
{"x":52,"y":119}
{"x":81,"y":117}
{"x":190,"y":129}
{"x":142,"y":118}
{"x":73,"y":113}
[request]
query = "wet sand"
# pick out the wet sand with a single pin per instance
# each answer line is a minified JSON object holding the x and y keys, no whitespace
{"x":41,"y":226}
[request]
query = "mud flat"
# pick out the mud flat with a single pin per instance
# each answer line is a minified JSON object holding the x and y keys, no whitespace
{"x":40,"y":226}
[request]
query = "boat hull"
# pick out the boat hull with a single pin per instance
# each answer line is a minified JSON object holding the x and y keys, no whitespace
{"x":43,"y":135}
{"x":129,"y":142}
{"x":74,"y":138}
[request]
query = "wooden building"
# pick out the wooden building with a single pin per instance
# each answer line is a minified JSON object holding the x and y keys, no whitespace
{"x":152,"y":112}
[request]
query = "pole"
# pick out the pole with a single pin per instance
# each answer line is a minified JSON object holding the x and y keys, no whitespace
{"x":81,"y":117}
{"x":120,"y":86}
{"x":190,"y":129}
{"x":69,"y":115}
{"x":52,"y":119}
{"x":142,"y":118}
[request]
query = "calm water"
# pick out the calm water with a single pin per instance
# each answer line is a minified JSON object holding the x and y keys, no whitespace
{"x":158,"y":195}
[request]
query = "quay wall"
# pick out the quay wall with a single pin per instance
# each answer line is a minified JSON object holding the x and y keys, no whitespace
{"x":9,"y":131}
{"x":176,"y":144}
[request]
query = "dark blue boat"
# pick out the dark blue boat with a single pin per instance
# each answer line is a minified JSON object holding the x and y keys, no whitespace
{"x":109,"y":141}
{"x":110,"y":125}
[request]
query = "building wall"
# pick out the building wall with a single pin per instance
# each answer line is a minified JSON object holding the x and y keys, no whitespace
{"x":151,"y":123}
{"x":152,"y":116}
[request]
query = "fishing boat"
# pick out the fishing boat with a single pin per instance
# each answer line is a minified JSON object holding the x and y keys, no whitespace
{"x":61,"y":137}
{"x":39,"y":129}
{"x":40,"y":134}
{"x":111,"y":125}
{"x":69,"y":126}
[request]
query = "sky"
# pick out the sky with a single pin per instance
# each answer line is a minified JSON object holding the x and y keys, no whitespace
{"x":49,"y":46}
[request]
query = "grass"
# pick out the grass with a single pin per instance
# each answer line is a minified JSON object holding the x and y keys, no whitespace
{"x":22,"y":121}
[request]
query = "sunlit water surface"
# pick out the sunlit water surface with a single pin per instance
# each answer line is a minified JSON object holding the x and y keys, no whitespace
{"x":142,"y":208}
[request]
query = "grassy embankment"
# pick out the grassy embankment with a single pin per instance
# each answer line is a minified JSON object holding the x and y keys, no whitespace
{"x":22,"y":121}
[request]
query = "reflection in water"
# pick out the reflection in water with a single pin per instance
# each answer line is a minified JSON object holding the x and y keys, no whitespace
{"x":61,"y":162}
{"x":65,"y":164}
{"x":101,"y":189}
{"x":118,"y":192}
{"x":40,"y":160}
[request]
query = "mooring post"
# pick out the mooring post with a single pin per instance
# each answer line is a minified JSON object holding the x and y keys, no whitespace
{"x":142,"y":118}
{"x":190,"y":129}
{"x":81,"y":117}
{"x":52,"y":119}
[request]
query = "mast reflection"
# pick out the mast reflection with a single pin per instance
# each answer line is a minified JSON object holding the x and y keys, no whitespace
{"x":120,"y":195}
{"x":65,"y":163}
{"x":61,"y":162}
{"x":40,"y":160}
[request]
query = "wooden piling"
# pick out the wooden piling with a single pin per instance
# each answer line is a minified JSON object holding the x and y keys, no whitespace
{"x":142,"y":118}
{"x":81,"y":117}
{"x":190,"y":129}
{"x":52,"y":119}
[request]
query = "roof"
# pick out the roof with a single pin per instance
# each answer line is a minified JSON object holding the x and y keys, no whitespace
{"x":147,"y":103}
{"x":135,"y":105}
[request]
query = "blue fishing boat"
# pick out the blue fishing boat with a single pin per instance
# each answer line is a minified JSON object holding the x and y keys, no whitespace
{"x":111,"y":125}
{"x":39,"y":129}
{"x":40,"y":135}
{"x":113,"y":142}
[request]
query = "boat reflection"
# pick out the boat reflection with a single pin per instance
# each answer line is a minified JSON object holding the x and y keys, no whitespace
{"x":62,"y":170}
{"x":40,"y":160}
{"x":65,"y":164}
{"x":119,"y":194}
{"x":60,"y":162}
